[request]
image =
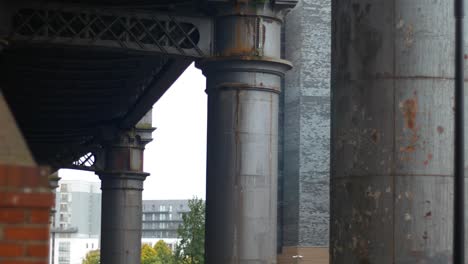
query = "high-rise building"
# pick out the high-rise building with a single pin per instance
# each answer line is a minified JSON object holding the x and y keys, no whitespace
{"x":76,"y":225}
{"x":161,"y":218}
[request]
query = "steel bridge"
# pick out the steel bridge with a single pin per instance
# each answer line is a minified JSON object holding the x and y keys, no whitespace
{"x":79,"y":78}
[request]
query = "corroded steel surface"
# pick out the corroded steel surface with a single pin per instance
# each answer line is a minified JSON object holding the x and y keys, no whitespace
{"x":144,"y":31}
{"x":392,"y":143}
{"x":243,"y":84}
{"x":122,"y":185}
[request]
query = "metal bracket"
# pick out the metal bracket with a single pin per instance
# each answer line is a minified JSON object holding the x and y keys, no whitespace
{"x":93,"y":158}
{"x":111,"y":28}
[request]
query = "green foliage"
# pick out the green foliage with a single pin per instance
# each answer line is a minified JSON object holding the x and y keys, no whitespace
{"x":92,"y":257}
{"x":164,"y":253}
{"x":191,"y":248}
{"x":148,"y":255}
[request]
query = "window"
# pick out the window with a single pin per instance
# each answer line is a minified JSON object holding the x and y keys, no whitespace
{"x":143,"y":217}
{"x":64,"y":207}
{"x":64,"y":252}
{"x":154,"y":217}
{"x":162,"y":208}
{"x":170,"y":208}
{"x":64,"y":188}
{"x":162,"y":217}
{"x":170,"y":216}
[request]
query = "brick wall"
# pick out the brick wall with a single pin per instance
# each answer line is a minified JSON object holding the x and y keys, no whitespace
{"x":25,"y":203}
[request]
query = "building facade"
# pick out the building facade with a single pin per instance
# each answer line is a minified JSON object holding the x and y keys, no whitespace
{"x":305,"y":129}
{"x":161,"y":218}
{"x":77,"y":220}
{"x":76,"y":224}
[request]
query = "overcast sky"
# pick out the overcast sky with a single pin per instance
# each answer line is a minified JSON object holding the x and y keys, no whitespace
{"x":176,"y":158}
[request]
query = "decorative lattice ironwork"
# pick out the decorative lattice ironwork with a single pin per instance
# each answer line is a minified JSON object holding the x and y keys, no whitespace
{"x":145,"y":32}
{"x":88,"y":160}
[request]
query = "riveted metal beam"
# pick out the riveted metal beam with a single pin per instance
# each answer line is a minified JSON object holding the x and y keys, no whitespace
{"x":137,"y":30}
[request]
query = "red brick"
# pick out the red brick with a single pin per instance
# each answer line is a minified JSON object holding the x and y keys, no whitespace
{"x":30,"y":177}
{"x":14,"y":176}
{"x":24,"y":262}
{"x":20,"y":199}
{"x":39,"y":216}
{"x":26,"y":233}
{"x":23,"y":176}
{"x":3,"y":175}
{"x":11,"y":216}
{"x":38,"y":250}
{"x":10,"y":250}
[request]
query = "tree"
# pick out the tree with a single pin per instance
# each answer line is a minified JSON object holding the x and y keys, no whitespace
{"x":148,"y":255}
{"x":191,"y":247}
{"x":92,"y":257}
{"x":163,"y":252}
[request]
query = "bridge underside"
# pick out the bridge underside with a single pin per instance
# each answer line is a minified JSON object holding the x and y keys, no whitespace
{"x":64,"y":98}
{"x":80,"y":78}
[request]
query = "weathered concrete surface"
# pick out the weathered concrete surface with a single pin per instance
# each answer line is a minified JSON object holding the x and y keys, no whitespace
{"x":392,"y":144}
{"x":306,"y":126}
{"x":13,"y":147}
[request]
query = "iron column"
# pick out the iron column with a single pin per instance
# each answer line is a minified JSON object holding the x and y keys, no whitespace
{"x":392,"y":132}
{"x":122,"y":186}
{"x":243,"y":84}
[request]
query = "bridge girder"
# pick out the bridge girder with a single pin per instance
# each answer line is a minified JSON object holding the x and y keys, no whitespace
{"x":106,"y":27}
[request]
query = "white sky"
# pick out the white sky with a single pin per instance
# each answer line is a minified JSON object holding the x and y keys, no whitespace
{"x":176,"y":158}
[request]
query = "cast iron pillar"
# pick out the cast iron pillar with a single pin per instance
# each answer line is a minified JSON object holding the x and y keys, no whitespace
{"x":243,"y":85}
{"x":392,"y":131}
{"x":122,"y":186}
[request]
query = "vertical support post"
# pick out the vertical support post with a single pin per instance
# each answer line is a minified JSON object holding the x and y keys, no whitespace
{"x":392,"y":132}
{"x":53,"y":185}
{"x":243,"y":84}
{"x":459,"y":181}
{"x":122,"y":186}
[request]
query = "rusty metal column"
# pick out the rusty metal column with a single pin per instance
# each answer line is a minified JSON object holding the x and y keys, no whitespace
{"x":122,"y":186}
{"x":243,"y":84}
{"x":392,"y":132}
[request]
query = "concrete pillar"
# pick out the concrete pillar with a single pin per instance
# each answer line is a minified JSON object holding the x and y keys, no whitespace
{"x":243,"y":86}
{"x":392,"y":132}
{"x":122,"y":186}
